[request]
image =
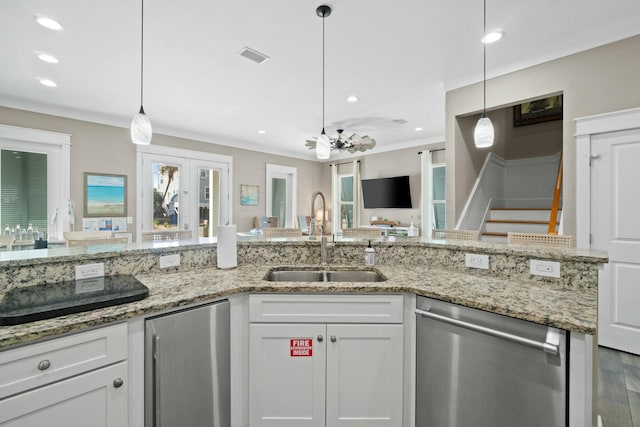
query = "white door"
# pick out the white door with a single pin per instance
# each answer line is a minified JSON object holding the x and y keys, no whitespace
{"x":88,"y":400}
{"x":287,"y":386}
{"x":209,"y":189}
{"x":615,"y":227}
{"x":364,"y":375}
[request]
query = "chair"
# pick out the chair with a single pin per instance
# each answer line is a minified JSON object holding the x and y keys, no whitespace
{"x":6,"y":240}
{"x":72,"y":237}
{"x":561,"y":241}
{"x":362,"y":232}
{"x":98,"y":242}
{"x":456,"y":234}
{"x":281,"y":232}
{"x":166,"y":235}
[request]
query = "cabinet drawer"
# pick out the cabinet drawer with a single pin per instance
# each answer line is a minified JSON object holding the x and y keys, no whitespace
{"x":286,"y":308}
{"x":38,"y":364}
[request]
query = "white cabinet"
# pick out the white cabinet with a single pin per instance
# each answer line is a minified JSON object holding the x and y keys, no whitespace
{"x":75,"y":380}
{"x":326,"y":374}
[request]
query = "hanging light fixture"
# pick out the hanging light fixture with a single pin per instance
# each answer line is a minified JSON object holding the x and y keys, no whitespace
{"x":141,"y":131}
{"x":323,"y":146}
{"x":483,"y":133}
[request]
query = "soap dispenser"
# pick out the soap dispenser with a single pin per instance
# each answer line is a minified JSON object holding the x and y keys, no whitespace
{"x":369,"y":255}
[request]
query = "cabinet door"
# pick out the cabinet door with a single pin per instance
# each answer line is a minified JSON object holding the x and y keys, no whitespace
{"x":286,"y":377}
{"x":364,"y":375}
{"x":88,"y":400}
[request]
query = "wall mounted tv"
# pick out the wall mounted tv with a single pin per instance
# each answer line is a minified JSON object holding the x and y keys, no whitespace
{"x":386,"y":192}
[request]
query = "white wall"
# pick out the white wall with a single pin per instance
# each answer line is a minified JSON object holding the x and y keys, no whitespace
{"x":592,"y":82}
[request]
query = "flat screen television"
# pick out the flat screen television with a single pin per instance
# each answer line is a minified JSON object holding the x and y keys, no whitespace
{"x":391,"y":192}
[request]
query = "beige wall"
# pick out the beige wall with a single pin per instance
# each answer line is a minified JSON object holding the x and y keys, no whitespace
{"x":107,"y":149}
{"x":595,"y":81}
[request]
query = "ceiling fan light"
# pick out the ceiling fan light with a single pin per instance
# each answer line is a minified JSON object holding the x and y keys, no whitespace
{"x":141,"y":131}
{"x":483,"y":133}
{"x":323,"y":147}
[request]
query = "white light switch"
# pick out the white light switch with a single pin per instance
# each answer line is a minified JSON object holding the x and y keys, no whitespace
{"x":544,"y":268}
{"x":476,"y":261}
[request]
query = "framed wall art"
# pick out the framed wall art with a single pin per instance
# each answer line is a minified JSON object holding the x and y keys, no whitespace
{"x":538,"y":111}
{"x":249,"y":195}
{"x":105,"y":195}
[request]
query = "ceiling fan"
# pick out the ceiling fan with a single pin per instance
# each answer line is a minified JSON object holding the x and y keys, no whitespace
{"x":352,"y":144}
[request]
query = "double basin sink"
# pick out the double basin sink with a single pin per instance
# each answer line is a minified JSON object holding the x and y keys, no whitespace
{"x":314,"y":275}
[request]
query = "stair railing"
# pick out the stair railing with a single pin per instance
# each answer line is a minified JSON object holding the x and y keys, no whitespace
{"x":553,"y":219}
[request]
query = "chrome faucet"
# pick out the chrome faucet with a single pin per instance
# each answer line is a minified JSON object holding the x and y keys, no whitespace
{"x":313,"y":205}
{"x":323,"y":237}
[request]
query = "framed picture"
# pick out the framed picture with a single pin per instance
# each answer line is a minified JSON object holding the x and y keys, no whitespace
{"x":105,"y":195}
{"x":538,"y":111}
{"x":249,"y":195}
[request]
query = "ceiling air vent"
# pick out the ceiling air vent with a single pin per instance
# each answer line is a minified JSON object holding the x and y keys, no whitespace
{"x":254,"y":55}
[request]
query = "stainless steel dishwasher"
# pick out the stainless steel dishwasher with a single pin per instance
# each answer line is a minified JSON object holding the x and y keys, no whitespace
{"x":187,"y":360}
{"x":476,"y":368}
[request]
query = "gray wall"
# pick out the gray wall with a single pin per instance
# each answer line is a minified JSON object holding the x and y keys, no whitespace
{"x":595,"y":81}
{"x":107,"y":149}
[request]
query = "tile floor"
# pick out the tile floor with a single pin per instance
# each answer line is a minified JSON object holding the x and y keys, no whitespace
{"x":618,"y":388}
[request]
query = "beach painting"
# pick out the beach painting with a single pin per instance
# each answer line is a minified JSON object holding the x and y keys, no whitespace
{"x":105,"y":195}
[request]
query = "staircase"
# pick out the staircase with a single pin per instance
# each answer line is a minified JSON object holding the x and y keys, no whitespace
{"x":500,"y":221}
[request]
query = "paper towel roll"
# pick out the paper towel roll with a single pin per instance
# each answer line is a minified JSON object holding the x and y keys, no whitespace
{"x":227,"y":246}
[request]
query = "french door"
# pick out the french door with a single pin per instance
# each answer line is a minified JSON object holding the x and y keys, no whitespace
{"x":183,"y":190}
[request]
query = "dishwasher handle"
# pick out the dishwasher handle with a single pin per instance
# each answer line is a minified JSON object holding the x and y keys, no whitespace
{"x":551,"y":345}
{"x":156,"y":379}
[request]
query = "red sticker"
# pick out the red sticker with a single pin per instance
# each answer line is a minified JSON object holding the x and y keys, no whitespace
{"x":301,"y":347}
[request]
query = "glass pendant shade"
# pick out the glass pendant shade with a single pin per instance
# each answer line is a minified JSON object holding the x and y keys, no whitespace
{"x":323,"y":148}
{"x":483,"y":133}
{"x":141,"y":129}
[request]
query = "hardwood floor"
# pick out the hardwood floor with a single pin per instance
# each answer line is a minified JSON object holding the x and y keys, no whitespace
{"x":618,"y":388}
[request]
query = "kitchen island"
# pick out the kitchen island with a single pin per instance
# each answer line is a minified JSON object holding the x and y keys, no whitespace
{"x":434,"y":269}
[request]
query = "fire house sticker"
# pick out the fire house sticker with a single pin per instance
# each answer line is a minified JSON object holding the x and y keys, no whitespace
{"x":301,"y":347}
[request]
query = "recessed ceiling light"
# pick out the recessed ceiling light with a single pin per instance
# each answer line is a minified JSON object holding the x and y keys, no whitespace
{"x":418,"y":129}
{"x":48,"y":58}
{"x":48,"y":83}
{"x":352,"y":98}
{"x":262,"y":131}
{"x":48,"y":23}
{"x":492,"y":37}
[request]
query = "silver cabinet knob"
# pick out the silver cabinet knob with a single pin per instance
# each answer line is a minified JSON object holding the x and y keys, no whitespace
{"x":333,"y":338}
{"x":44,"y":365}
{"x":117,"y":383}
{"x":320,"y":338}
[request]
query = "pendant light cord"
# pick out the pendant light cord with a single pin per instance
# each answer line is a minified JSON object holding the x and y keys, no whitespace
{"x":484,"y":59}
{"x":141,"y":54}
{"x":323,"y":17}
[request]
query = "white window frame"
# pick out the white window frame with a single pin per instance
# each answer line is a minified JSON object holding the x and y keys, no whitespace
{"x":340,"y":202}
{"x":57,"y":147}
{"x":290,"y":174}
{"x":434,"y":201}
{"x":190,"y":161}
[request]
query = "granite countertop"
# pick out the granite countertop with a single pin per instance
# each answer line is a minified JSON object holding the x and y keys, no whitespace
{"x":546,"y":304}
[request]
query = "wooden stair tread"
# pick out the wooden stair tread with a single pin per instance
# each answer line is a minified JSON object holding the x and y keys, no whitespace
{"x":523,"y":209}
{"x":493,"y":233}
{"x":515,"y":221}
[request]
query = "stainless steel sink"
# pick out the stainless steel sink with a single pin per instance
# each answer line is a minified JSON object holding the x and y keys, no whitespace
{"x":325,"y":276}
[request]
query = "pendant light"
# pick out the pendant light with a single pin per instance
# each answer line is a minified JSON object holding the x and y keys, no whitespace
{"x":323,"y":147}
{"x":483,"y":133}
{"x":141,"y":125}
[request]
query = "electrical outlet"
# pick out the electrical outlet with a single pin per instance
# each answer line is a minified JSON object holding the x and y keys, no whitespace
{"x":88,"y":271}
{"x":167,"y":261}
{"x":476,"y":261}
{"x":544,"y":268}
